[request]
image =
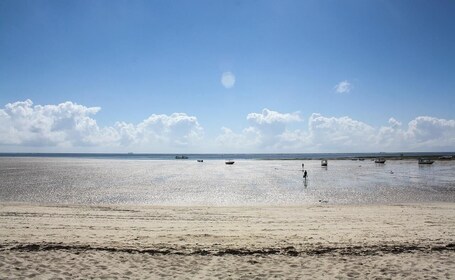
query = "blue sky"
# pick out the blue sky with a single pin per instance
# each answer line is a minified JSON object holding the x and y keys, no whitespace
{"x":310,"y":76}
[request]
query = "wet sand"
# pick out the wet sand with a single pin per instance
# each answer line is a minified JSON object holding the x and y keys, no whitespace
{"x":410,"y":241}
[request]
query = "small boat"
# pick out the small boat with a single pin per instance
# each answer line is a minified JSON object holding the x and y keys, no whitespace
{"x":200,"y":160}
{"x":445,"y":157}
{"x":425,"y":161}
{"x":379,"y":160}
{"x":181,"y":157}
{"x":361,"y":159}
{"x":324,"y":162}
{"x":229,"y":162}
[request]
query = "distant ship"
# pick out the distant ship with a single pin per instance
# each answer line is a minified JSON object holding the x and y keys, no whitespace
{"x":181,"y":157}
{"x":230,"y":162}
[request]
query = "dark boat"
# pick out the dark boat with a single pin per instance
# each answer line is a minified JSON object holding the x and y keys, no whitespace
{"x":200,"y":160}
{"x":230,"y":162}
{"x":181,"y":157}
{"x":324,"y":162}
{"x":379,"y":160}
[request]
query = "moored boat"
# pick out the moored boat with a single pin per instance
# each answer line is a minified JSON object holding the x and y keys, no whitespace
{"x":324,"y":162}
{"x":229,"y":162}
{"x":379,"y":160}
{"x":445,"y":157}
{"x":425,"y":161}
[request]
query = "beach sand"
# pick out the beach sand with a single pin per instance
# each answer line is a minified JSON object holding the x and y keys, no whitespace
{"x":411,"y":241}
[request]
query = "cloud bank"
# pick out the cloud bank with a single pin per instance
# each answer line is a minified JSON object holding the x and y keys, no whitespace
{"x":338,"y":134}
{"x":72,"y":127}
{"x":69,"y":125}
{"x":266,"y":133}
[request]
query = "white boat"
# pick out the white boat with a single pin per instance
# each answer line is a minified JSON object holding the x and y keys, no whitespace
{"x":445,"y":157}
{"x":425,"y":161}
{"x":324,"y":162}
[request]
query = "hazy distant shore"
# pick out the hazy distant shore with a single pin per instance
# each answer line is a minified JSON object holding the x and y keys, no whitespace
{"x":248,"y":156}
{"x":411,"y":241}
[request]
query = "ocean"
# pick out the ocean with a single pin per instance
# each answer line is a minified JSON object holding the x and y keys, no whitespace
{"x":162,"y":180}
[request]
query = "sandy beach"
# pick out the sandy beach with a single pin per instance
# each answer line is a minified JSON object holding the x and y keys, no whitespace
{"x":410,"y":241}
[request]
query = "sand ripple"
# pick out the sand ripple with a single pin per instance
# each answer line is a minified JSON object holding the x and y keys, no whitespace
{"x":317,"y":242}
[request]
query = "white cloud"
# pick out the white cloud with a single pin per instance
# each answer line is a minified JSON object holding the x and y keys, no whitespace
{"x":421,"y":134}
{"x":268,"y":117}
{"x":394,"y":123}
{"x":247,"y":141}
{"x":177,"y":129}
{"x":64,"y":124}
{"x":343,"y":134}
{"x":267,"y":132}
{"x":425,"y":131}
{"x":343,"y":87}
{"x":339,"y":134}
{"x":70,"y":125}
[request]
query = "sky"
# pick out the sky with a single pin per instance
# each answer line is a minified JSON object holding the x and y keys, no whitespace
{"x":227,"y":76}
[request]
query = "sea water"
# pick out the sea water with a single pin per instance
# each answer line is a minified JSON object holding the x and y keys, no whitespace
{"x":80,"y":180}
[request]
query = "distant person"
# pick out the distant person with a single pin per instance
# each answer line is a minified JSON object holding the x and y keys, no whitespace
{"x":303,"y":166}
{"x":305,"y":174}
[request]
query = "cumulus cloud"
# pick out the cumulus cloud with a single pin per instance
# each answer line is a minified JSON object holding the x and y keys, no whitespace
{"x":69,"y":125}
{"x":394,"y":123}
{"x":72,"y":125}
{"x":63,"y":124}
{"x":177,"y":129}
{"x":268,"y":133}
{"x":343,"y":87}
{"x":268,"y":117}
{"x":428,"y":131}
{"x":247,"y":141}
{"x":343,"y":133}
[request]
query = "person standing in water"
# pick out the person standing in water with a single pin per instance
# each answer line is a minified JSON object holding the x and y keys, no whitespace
{"x":305,"y":174}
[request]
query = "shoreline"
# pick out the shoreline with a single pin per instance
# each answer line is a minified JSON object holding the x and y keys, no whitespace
{"x":280,"y":238}
{"x":440,"y":156}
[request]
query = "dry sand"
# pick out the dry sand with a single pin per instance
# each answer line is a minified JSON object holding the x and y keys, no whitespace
{"x":323,"y":241}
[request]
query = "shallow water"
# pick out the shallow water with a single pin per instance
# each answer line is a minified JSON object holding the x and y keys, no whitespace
{"x":247,"y":182}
